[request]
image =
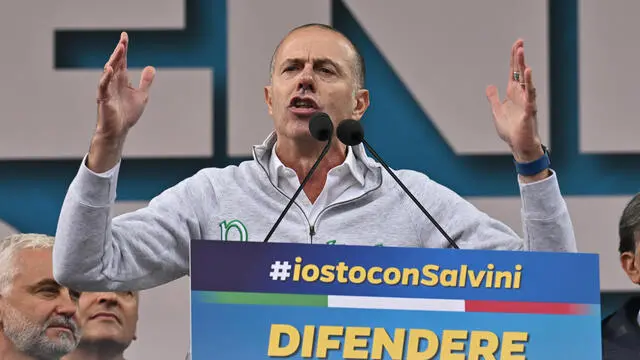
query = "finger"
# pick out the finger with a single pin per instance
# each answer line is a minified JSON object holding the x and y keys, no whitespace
{"x":103,"y":85}
{"x":494,"y":100}
{"x":512,"y":68}
{"x":124,"y":39}
{"x":512,"y":60}
{"x":114,"y":60}
{"x":521,"y":66}
{"x":529,"y":87}
{"x":146,"y":79}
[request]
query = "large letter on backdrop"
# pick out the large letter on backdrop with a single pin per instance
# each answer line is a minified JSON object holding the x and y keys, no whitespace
{"x":447,"y":52}
{"x":55,"y":111}
{"x":608,"y":35}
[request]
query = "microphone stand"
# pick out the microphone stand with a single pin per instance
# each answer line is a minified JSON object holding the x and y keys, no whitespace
{"x":424,"y":211}
{"x":304,"y":182}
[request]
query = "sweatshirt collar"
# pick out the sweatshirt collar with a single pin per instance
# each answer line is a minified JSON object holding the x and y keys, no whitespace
{"x":356,"y":161}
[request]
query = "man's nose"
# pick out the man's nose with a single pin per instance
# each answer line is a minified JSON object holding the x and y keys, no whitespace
{"x":67,"y":306}
{"x":107,"y":297}
{"x":307,"y":80}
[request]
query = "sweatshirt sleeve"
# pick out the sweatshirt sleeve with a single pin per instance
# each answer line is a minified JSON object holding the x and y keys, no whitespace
{"x":545,"y":218}
{"x":134,"y":251}
{"x":546,"y":221}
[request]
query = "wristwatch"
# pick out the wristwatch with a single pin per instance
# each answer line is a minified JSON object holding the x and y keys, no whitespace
{"x":535,"y":166}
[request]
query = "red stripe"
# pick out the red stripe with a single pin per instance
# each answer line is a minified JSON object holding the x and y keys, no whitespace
{"x":526,"y":307}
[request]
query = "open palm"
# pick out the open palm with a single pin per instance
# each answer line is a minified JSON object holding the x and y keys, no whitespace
{"x":119,"y":104}
{"x":515,"y":117}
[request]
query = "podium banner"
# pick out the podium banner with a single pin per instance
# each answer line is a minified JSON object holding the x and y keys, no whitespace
{"x":253,"y":300}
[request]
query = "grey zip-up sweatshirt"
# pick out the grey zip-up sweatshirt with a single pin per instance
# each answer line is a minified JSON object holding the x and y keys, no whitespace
{"x":360,"y":205}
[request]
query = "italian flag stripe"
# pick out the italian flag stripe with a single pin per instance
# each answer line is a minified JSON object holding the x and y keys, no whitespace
{"x":393,"y":303}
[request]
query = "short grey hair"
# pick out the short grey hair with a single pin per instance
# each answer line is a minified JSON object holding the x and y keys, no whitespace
{"x":10,"y":246}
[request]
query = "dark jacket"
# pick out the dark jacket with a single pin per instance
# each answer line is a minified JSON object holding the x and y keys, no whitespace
{"x":621,"y":332}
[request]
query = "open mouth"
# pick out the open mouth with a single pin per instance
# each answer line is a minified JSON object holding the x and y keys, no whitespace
{"x":301,"y":105}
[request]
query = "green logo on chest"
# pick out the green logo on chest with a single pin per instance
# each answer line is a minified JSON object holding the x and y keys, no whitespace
{"x":238,"y":226}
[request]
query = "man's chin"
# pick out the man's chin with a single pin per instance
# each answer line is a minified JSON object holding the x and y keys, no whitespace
{"x":111,"y":343}
{"x":103,"y":335}
{"x":297,"y":132}
{"x":49,"y":347}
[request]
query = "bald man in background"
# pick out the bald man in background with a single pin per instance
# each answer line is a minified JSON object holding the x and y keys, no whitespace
{"x":621,"y":330}
{"x":109,"y":324}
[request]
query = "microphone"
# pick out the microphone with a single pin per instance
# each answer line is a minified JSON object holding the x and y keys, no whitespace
{"x":321,"y":129}
{"x":351,"y":133}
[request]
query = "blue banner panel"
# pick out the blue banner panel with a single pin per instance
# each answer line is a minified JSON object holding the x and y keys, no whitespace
{"x":400,"y":272}
{"x":254,"y":300}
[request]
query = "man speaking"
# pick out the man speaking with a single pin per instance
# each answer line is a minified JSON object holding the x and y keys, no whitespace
{"x":349,"y":199}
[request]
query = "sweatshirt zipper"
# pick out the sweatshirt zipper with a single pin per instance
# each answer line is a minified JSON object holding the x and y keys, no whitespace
{"x":315,"y":222}
{"x":311,"y":228}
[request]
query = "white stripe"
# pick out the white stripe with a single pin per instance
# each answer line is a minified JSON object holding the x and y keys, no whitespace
{"x":393,"y":303}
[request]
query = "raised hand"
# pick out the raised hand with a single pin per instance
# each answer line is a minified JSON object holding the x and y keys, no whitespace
{"x":515,"y":117}
{"x":119,"y":107}
{"x":119,"y":104}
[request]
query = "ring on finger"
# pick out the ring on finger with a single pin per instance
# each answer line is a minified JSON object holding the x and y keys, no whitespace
{"x":516,"y":76}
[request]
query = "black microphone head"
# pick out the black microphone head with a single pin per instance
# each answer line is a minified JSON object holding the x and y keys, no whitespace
{"x":350,"y":132}
{"x":320,"y":126}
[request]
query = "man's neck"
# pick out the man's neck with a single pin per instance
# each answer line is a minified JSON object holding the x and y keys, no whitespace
{"x":301,"y":157}
{"x":93,"y":354}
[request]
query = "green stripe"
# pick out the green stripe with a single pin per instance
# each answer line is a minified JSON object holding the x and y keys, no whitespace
{"x":247,"y":298}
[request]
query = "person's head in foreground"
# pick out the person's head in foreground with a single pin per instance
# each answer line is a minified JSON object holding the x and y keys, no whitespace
{"x":621,"y":330}
{"x":629,"y":232}
{"x":37,"y":315}
{"x":314,"y":68}
{"x":109,"y":321}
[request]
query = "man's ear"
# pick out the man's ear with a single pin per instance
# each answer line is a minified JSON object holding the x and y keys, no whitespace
{"x":631,"y":266}
{"x":361,"y":103}
{"x":268,"y":99}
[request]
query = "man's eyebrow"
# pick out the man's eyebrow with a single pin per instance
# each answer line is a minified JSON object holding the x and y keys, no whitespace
{"x":315,"y":61}
{"x":323,"y":61}
{"x":45,"y":282}
{"x":289,"y":61}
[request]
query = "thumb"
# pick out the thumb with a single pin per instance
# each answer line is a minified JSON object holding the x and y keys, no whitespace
{"x":494,"y":99}
{"x":146,"y":79}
